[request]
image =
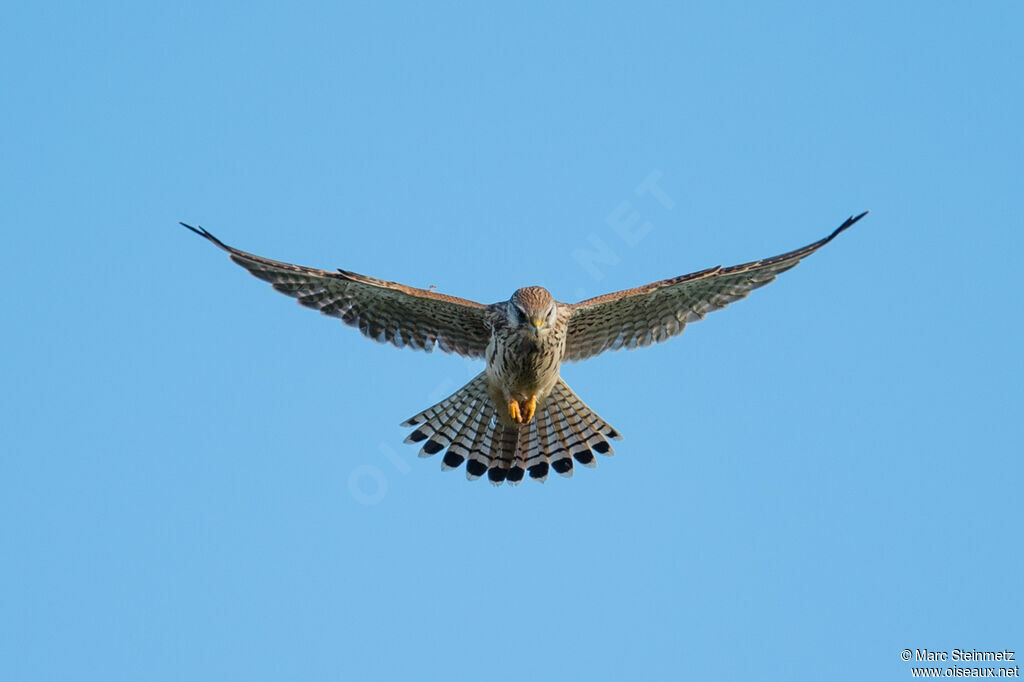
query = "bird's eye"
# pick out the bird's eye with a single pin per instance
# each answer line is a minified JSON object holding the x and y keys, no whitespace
{"x":520,"y":315}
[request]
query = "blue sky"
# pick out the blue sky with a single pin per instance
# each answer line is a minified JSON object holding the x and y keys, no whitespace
{"x":202,"y":480}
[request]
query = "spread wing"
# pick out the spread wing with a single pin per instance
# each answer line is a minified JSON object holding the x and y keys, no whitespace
{"x":658,"y":311}
{"x":383,"y":311}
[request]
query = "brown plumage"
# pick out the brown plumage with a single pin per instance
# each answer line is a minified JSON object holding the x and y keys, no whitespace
{"x":517,"y":417}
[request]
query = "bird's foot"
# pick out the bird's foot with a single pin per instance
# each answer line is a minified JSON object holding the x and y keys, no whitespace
{"x":522,"y":411}
{"x":513,"y":411}
{"x":529,"y":407}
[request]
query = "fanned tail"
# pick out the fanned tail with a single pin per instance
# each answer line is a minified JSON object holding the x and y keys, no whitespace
{"x":465,"y":423}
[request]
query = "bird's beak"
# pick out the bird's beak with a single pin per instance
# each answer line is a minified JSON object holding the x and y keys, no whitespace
{"x":537,"y":324}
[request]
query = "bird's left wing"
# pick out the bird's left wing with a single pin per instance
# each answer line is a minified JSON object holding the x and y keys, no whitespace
{"x":658,"y":311}
{"x":384,"y":311}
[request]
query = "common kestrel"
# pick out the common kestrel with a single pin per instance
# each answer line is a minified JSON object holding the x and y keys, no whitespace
{"x":517,"y":416}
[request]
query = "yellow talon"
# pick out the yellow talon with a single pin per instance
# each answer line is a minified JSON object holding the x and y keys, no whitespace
{"x":530,"y":406}
{"x":522,"y":411}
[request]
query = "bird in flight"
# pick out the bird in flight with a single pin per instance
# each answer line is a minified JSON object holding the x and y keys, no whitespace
{"x":518,"y":416}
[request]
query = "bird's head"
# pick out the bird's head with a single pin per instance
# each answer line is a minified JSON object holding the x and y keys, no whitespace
{"x":532,"y":309}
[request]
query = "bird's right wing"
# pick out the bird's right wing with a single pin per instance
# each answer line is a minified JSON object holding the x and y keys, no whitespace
{"x":384,"y":311}
{"x":660,"y":310}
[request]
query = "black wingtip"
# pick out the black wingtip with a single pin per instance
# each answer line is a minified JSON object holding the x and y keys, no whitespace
{"x":846,"y":224}
{"x":204,"y":233}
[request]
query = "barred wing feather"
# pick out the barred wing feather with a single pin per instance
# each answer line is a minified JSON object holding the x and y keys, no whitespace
{"x":383,"y":311}
{"x":655,"y":312}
